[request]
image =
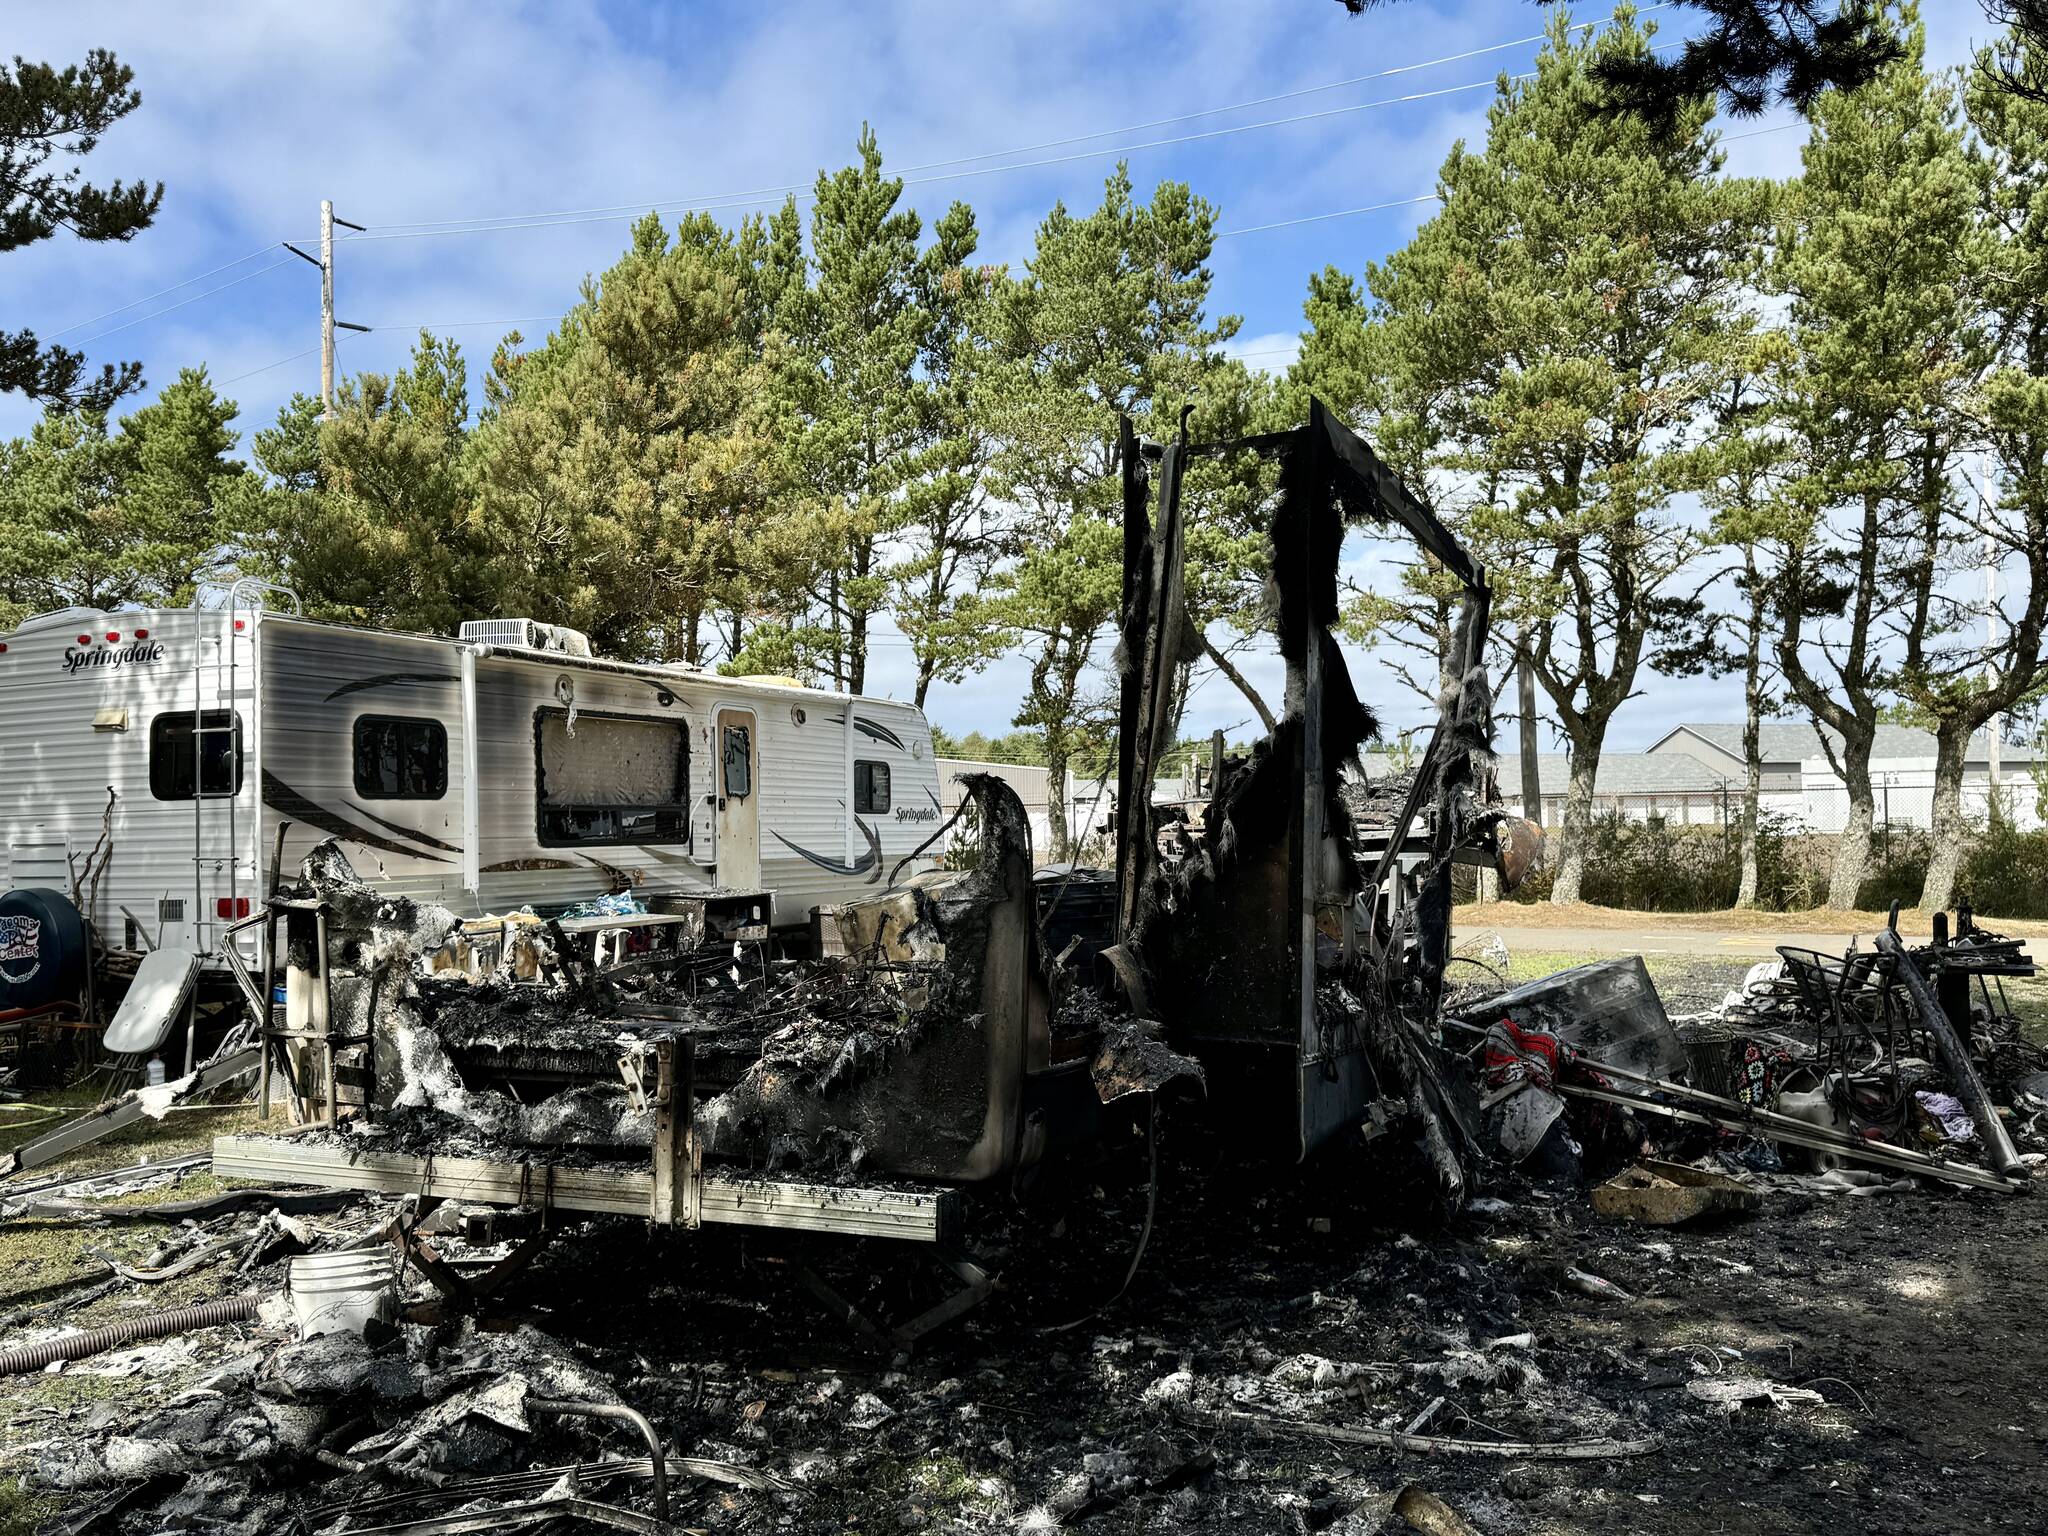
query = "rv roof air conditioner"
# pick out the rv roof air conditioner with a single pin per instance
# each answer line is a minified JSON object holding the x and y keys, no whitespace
{"x":527,"y":634}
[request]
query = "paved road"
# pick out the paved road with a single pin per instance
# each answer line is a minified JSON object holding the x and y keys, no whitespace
{"x":1648,"y":940}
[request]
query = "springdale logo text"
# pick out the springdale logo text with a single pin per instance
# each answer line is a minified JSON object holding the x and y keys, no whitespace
{"x":139,"y":654}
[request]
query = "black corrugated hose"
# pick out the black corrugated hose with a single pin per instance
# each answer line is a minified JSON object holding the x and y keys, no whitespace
{"x":93,"y":1341}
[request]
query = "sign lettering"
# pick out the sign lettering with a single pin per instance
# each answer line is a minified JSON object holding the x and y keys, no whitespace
{"x":141,"y":654}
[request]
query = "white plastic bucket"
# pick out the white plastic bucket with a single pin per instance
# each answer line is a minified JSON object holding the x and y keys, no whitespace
{"x":342,"y":1292}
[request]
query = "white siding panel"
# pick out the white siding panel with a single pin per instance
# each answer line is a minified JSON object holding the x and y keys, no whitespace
{"x":316,"y":680}
{"x":56,"y":769}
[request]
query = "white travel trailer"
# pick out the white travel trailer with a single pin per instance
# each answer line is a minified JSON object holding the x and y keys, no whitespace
{"x":503,"y":768}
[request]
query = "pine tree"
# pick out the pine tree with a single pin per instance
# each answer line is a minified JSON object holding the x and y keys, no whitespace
{"x":883,"y":460}
{"x":1874,"y":258}
{"x":1979,"y":680}
{"x":948,"y":537}
{"x":1755,"y":51}
{"x":46,"y":113}
{"x":101,"y":518}
{"x":367,"y":515}
{"x":1557,"y":330}
{"x":1108,"y":320}
{"x":1753,"y":460}
{"x":615,"y":464}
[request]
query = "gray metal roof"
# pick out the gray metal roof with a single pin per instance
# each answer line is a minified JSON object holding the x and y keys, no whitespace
{"x":1781,"y":741}
{"x":1793,"y":741}
{"x":1620,"y":773}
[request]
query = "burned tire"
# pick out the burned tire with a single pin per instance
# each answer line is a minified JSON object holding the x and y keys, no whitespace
{"x":43,"y":949}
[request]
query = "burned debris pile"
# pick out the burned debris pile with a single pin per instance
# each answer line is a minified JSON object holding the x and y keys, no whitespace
{"x":982,"y":1214}
{"x":1860,"y":1071}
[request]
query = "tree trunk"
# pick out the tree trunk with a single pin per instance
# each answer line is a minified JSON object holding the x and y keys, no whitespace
{"x":1239,"y":681}
{"x":838,"y":651}
{"x":1852,"y":848}
{"x":1752,"y":749}
{"x":1578,"y":815}
{"x":857,"y":621}
{"x":1950,"y":832}
{"x":1752,"y":784}
{"x":1062,"y":847}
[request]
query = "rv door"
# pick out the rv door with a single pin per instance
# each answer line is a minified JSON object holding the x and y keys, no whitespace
{"x":736,"y":747}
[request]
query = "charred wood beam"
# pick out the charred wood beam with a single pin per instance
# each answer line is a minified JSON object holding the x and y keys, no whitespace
{"x":1136,"y":606}
{"x":1455,"y":788}
{"x":1396,"y":501}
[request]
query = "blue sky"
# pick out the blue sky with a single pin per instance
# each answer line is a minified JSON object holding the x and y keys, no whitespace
{"x":411,"y":114}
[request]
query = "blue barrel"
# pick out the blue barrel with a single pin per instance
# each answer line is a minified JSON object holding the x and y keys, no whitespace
{"x":43,"y":949}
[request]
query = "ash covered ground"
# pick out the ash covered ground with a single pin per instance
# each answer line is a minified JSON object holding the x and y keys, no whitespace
{"x":1309,"y":1297}
{"x":1267,"y":1297}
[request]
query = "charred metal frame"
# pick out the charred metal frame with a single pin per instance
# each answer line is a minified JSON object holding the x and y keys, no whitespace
{"x":1328,"y":470}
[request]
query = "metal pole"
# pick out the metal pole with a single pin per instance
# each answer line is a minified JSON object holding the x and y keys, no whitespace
{"x":1954,"y":1051}
{"x":234,"y":733}
{"x":198,"y":786}
{"x":326,"y":308}
{"x":326,"y":1024}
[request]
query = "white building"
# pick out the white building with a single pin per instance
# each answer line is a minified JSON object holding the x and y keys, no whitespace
{"x":1637,"y":785}
{"x":1798,"y":780}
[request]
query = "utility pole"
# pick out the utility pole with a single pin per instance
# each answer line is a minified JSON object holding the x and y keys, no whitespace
{"x":326,"y":308}
{"x":328,"y":323}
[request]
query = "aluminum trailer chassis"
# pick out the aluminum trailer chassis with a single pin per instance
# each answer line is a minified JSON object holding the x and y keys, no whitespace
{"x":727,"y":1199}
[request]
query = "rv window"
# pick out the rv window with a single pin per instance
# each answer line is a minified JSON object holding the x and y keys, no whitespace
{"x":739,"y":761}
{"x":170,"y":754}
{"x":870,"y":787}
{"x":613,"y":779}
{"x":401,"y":759}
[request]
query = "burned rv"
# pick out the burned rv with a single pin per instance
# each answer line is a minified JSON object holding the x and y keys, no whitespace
{"x":944,"y":1046}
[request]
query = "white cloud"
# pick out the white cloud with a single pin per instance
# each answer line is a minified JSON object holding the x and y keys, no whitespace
{"x":1270,"y":352}
{"x":252,"y":112}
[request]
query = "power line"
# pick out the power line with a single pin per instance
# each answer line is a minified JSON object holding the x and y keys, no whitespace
{"x":735,"y":200}
{"x":208,"y":293}
{"x":1433,"y":197}
{"x":1341,"y":213}
{"x":422,"y":227}
{"x":456,"y":325}
{"x":224,"y":383}
{"x":1221,"y":234}
{"x":146,"y":298}
{"x":1266,"y":101}
{"x":742,"y":200}
{"x":1250,"y":229}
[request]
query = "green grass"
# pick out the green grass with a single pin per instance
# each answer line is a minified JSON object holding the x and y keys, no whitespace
{"x":22,"y":1511}
{"x":44,"y":1259}
{"x":2029,"y":999}
{"x":181,"y":1131}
